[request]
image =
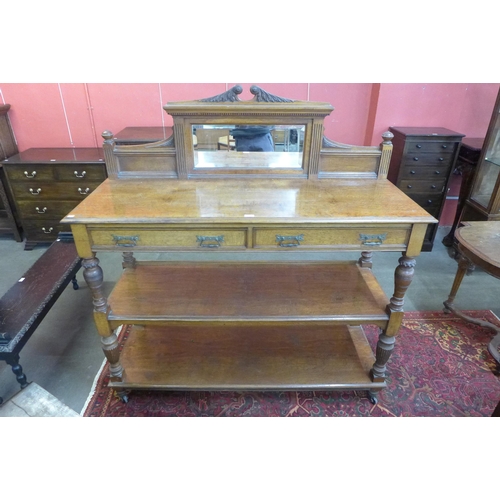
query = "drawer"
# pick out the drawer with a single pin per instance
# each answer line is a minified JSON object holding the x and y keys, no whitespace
{"x":427,"y":159}
{"x":419,"y":172}
{"x":430,"y":146}
{"x":169,"y":238}
{"x":80,"y":173}
{"x":30,"y":173}
{"x":52,"y":190}
{"x":43,"y":230}
{"x":49,"y":209}
{"x":422,"y":186}
{"x":427,"y":201}
{"x":324,"y":238}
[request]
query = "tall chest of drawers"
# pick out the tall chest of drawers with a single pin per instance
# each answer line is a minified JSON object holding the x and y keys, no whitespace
{"x":422,"y":161}
{"x":47,"y":183}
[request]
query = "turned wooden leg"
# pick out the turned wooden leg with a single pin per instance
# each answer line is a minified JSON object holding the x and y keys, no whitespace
{"x":385,"y":345}
{"x":463,"y":265}
{"x":93,"y":275}
{"x":366,"y":259}
{"x":17,"y":369}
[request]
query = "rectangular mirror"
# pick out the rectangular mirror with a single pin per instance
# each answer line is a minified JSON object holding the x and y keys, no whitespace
{"x":248,"y":146}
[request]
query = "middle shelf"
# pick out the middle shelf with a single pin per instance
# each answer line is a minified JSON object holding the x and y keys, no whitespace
{"x":166,"y":292}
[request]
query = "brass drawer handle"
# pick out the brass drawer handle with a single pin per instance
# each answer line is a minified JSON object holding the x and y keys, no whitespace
{"x":125,"y":241}
{"x":294,"y":239}
{"x":42,"y":211}
{"x":35,"y":193}
{"x":30,"y":176}
{"x":47,"y":231}
{"x":84,"y":191}
{"x":202,"y":239}
{"x":80,"y":176}
{"x":372,"y":239}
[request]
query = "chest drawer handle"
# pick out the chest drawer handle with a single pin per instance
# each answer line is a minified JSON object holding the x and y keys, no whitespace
{"x":444,"y":146}
{"x":429,"y":202}
{"x":42,"y":211}
{"x":409,"y":186}
{"x":30,"y":176}
{"x":433,"y":186}
{"x":415,"y":158}
{"x":441,"y":159}
{"x":125,"y":241}
{"x":437,"y":172}
{"x":84,"y":191}
{"x":47,"y":231}
{"x":35,"y":193}
{"x":216,"y":239}
{"x":418,"y":146}
{"x":412,"y":172}
{"x":372,"y":239}
{"x":295,"y":240}
{"x":80,"y":176}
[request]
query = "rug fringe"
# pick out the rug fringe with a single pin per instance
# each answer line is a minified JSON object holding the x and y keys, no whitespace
{"x":96,"y":379}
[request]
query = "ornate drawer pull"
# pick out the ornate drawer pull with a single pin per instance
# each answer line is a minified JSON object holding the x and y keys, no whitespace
{"x":295,"y":240}
{"x":84,"y":191}
{"x":35,"y":193}
{"x":80,"y":176}
{"x":47,"y":231}
{"x":372,"y":239}
{"x":30,"y":176}
{"x":125,"y":241}
{"x":42,"y":211}
{"x":202,"y":239}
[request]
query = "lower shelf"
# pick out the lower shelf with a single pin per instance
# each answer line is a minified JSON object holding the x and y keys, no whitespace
{"x":246,"y":357}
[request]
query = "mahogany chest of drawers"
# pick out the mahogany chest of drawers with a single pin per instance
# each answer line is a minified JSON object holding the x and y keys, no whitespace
{"x":47,"y":183}
{"x":422,"y":161}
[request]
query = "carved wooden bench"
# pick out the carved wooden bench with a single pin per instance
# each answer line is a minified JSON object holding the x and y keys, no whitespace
{"x":28,"y":301}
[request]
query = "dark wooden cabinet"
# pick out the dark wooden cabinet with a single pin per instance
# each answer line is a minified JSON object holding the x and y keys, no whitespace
{"x":421,"y":164}
{"x":8,"y":147}
{"x":47,"y":183}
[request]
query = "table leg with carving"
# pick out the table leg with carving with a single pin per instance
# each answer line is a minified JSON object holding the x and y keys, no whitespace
{"x":403,"y":276}
{"x":93,"y":275}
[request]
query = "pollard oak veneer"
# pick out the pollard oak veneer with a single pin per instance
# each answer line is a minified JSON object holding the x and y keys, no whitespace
{"x":262,"y":325}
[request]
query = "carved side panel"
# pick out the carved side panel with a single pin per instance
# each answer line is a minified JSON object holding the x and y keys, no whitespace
{"x":315,"y":145}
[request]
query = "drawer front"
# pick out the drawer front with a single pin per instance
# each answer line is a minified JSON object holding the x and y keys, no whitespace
{"x":427,"y":201}
{"x":412,"y":172}
{"x":80,"y":173}
{"x":430,"y":147}
{"x":363,"y":237}
{"x":43,"y":230}
{"x":53,"y":190}
{"x":422,"y":186}
{"x":29,"y":173}
{"x":49,"y":209}
{"x":428,"y":159}
{"x":186,"y":239}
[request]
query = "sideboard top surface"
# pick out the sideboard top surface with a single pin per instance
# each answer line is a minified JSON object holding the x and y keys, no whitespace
{"x":246,"y":201}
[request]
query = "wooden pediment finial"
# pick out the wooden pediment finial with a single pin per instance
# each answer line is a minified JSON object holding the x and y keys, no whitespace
{"x":387,"y":136}
{"x":230,"y":95}
{"x":262,"y":96}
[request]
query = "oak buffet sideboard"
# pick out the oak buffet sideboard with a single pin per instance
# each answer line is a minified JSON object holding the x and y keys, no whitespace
{"x":241,"y":324}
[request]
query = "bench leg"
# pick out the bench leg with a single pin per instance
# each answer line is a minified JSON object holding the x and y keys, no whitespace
{"x":18,"y":371}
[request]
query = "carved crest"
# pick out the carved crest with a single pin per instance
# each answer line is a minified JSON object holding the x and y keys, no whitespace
{"x":230,"y":95}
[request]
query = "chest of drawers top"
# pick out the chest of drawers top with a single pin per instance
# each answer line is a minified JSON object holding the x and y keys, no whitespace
{"x":57,"y":156}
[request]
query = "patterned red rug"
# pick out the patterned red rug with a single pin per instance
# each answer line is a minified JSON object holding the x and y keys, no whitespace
{"x":440,"y":367}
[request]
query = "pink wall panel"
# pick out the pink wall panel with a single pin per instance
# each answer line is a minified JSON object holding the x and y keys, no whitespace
{"x":36,"y":115}
{"x":76,"y":114}
{"x":351,"y":102}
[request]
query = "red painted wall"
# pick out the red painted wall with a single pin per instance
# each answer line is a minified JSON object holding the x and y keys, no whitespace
{"x":75,"y":114}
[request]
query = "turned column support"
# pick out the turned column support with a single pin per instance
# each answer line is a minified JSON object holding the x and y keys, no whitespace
{"x":366,"y":259}
{"x":403,"y":276}
{"x":93,"y":275}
